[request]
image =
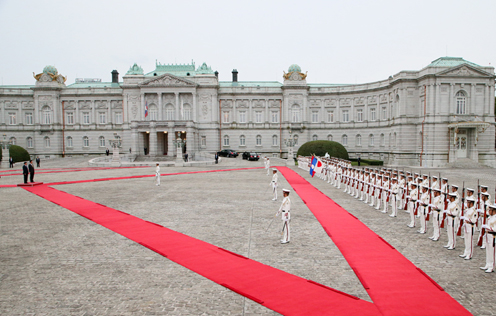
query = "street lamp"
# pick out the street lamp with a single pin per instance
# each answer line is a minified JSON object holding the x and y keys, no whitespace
{"x":179,"y":143}
{"x":290,"y":142}
{"x":115,"y":144}
{"x":5,"y":144}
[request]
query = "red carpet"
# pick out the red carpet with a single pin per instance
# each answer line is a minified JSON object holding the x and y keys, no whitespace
{"x":395,"y":285}
{"x":280,"y":291}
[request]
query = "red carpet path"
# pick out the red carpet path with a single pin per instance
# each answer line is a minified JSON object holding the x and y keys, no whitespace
{"x":394,"y":284}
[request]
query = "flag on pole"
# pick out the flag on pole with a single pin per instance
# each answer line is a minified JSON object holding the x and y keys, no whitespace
{"x":316,"y":166}
{"x":146,"y":109}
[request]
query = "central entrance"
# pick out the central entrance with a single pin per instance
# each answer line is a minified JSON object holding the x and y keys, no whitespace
{"x":461,"y":144}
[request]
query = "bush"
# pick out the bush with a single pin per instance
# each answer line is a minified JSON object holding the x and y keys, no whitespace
{"x":17,"y":153}
{"x":321,"y":147}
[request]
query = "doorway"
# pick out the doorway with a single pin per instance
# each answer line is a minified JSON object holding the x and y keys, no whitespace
{"x":461,"y":144}
{"x":146,"y":143}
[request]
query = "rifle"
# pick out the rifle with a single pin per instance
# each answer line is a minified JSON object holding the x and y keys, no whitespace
{"x":483,"y":231}
{"x":459,"y":232}
{"x":389,"y":191}
{"x":445,"y":205}
{"x":430,"y":199}
{"x":406,"y":200}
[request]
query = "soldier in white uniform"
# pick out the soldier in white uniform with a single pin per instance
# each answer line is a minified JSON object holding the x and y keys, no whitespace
{"x":385,"y":193}
{"x":454,"y":189}
{"x":273,"y":184}
{"x":435,"y":183}
{"x":157,"y":175}
{"x":267,"y":165}
{"x":371,"y":194}
{"x":394,"y":197}
{"x":484,"y":202}
{"x":286,"y":216}
{"x":452,"y":211}
{"x":422,"y":209}
{"x":490,"y":228}
{"x":378,"y":191}
{"x":437,"y":207}
{"x":401,"y":190}
{"x":339,"y":172}
{"x":412,"y":203}
{"x":469,"y":219}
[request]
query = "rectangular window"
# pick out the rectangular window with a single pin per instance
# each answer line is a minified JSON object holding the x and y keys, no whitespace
{"x":118,"y":117}
{"x":69,"y":141}
{"x":242,"y":141}
{"x":372,"y":115}
{"x":274,"y":140}
{"x":30,"y":142}
{"x":258,"y":117}
{"x":204,"y":141}
{"x":29,"y":118}
{"x":296,"y":115}
{"x":259,"y":140}
{"x":242,"y":117}
{"x":275,"y":116}
{"x":86,"y":117}
{"x":384,"y":113}
{"x":70,"y":118}
{"x":315,"y":116}
{"x":47,"y":117}
{"x":330,"y":116}
{"x":12,"y":119}
{"x":346,"y":116}
{"x":102,"y":118}
{"x":226,"y":140}
{"x":226,"y":118}
{"x":86,"y":142}
{"x":359,"y":115}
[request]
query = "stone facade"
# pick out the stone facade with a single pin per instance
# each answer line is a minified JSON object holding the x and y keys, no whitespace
{"x":439,"y":114}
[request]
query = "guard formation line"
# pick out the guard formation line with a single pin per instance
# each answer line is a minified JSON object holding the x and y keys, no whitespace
{"x":424,"y":197}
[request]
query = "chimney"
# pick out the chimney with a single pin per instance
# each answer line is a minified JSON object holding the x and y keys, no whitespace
{"x":216,"y":73}
{"x":235,"y":75}
{"x":115,"y":76}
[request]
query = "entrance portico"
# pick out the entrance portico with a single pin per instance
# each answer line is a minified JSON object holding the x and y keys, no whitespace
{"x":464,"y":139}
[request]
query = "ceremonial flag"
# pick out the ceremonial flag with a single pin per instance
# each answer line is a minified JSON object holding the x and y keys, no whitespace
{"x":146,"y":109}
{"x":316,"y":166}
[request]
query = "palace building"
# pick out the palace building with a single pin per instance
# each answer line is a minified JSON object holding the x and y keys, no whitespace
{"x":430,"y":117}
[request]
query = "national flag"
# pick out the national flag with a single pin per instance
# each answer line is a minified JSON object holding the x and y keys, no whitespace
{"x":146,"y":108}
{"x":316,"y":166}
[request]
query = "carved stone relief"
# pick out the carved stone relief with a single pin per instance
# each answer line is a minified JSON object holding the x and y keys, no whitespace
{"x":133,"y":102}
{"x":205,"y":103}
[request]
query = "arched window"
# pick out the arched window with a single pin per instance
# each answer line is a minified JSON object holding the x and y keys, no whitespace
{"x":69,"y":141}
{"x":29,"y":142}
{"x":259,"y":140}
{"x":46,"y":115}
{"x":344,"y":140}
{"x":461,"y":102}
{"x":226,"y":140}
{"x":274,"y":140}
{"x":359,"y":140}
{"x":153,"y":112}
{"x":383,"y":140}
{"x":101,"y":141}
{"x":46,"y":140}
{"x":86,"y":141}
{"x":371,"y":140}
{"x":187,"y":112}
{"x":169,"y":112}
{"x":315,"y":137}
{"x":12,"y":140}
{"x":295,"y":113}
{"x":242,"y":140}
{"x":329,"y":137}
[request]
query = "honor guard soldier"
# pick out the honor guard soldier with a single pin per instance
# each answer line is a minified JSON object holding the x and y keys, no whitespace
{"x":454,"y":189}
{"x":286,"y":216}
{"x":378,"y":191}
{"x":371,"y":188}
{"x":422,"y":209}
{"x":490,"y":229}
{"x":484,"y":209}
{"x":412,"y":202}
{"x":267,"y":165}
{"x":484,"y":190}
{"x":401,"y":190}
{"x":437,"y":207}
{"x":157,"y":175}
{"x":339,"y":174}
{"x":394,"y":197}
{"x":273,"y":184}
{"x":469,"y":219}
{"x":385,"y":193}
{"x":452,"y":211}
{"x":435,"y":183}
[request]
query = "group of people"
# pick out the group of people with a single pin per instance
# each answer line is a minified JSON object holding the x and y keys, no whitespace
{"x":423,"y":197}
{"x":28,"y":170}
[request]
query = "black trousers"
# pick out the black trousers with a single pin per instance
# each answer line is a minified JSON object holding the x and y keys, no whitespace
{"x":31,"y":177}
{"x":26,"y":178}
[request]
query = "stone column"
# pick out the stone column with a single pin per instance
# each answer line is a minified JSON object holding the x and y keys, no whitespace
{"x":134,"y":138}
{"x":5,"y":157}
{"x":153,"y":139}
{"x":141,"y":115}
{"x":177,"y":116}
{"x":160,"y":110}
{"x":194,"y":108}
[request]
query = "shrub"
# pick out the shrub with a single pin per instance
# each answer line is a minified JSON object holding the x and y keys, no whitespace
{"x":17,"y":153}
{"x":321,"y":147}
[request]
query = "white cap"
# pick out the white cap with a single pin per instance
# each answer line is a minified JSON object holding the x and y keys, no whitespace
{"x":471,"y":199}
{"x":285,"y":190}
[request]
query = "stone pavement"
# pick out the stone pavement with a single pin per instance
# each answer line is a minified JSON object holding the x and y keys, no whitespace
{"x":54,"y":262}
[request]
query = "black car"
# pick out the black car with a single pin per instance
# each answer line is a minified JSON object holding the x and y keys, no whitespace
{"x":245,"y":155}
{"x":227,"y":153}
{"x":253,"y":156}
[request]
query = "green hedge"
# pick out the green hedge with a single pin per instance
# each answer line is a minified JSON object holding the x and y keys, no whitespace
{"x":321,"y":147}
{"x":17,"y":153}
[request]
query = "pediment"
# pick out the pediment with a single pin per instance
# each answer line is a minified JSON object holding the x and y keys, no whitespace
{"x":464,"y":70}
{"x":168,"y":80}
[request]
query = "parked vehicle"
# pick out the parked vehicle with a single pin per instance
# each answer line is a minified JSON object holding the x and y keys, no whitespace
{"x":253,"y":156}
{"x":245,"y":155}
{"x":227,"y":153}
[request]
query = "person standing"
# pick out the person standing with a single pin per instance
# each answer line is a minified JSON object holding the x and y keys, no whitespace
{"x":490,"y":228}
{"x":412,"y":201}
{"x":358,"y":160}
{"x":216,"y":158}
{"x":11,"y":162}
{"x":157,"y":175}
{"x":31,"y":171}
{"x":107,"y":151}
{"x":394,"y":197}
{"x":286,"y":216}
{"x":437,"y":207}
{"x":470,"y":219}
{"x":25,"y":172}
{"x":273,"y":184}
{"x":38,"y":161}
{"x":452,"y":212}
{"x":267,"y":165}
{"x":423,"y":205}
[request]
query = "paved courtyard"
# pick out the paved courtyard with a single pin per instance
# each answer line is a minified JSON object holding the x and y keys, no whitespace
{"x":55,"y":262}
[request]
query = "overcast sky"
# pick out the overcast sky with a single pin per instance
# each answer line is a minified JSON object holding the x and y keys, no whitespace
{"x":335,"y":41}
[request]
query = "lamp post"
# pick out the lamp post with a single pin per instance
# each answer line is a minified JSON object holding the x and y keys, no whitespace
{"x":115,"y":144}
{"x":5,"y":151}
{"x":290,"y":142}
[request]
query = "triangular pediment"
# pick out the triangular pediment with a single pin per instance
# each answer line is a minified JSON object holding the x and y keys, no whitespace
{"x":464,"y":70}
{"x":168,"y":80}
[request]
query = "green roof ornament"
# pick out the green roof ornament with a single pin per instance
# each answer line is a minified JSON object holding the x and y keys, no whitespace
{"x":135,"y":70}
{"x":204,"y":69}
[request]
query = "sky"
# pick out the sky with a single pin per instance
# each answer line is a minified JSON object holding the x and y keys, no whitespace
{"x":340,"y":42}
